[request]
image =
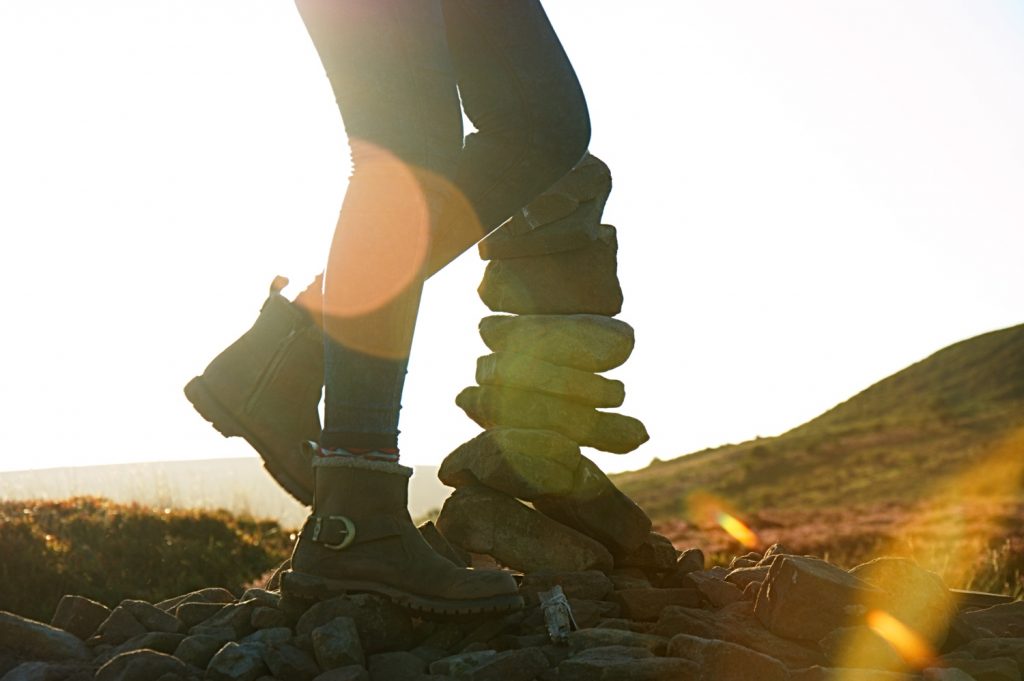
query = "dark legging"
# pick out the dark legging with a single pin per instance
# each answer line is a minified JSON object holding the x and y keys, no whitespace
{"x":420,"y":193}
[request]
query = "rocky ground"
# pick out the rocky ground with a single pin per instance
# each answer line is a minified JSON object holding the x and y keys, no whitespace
{"x":770,"y":617}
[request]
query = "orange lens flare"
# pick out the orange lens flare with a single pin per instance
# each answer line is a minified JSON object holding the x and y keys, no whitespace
{"x":908,"y":643}
{"x":737,"y":529}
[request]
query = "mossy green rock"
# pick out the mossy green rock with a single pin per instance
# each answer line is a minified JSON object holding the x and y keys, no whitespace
{"x":582,"y":341}
{"x":492,"y":406}
{"x":522,"y":371}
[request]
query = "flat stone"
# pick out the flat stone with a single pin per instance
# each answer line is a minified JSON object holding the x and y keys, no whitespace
{"x":460,"y":665}
{"x":272,"y":636}
{"x":237,"y":662}
{"x":654,"y":553}
{"x":584,"y":639}
{"x":198,"y":649}
{"x":119,"y":626}
{"x":582,"y":341}
{"x":598,"y":509}
{"x":235,"y":616}
{"x":690,"y":560}
{"x":1005,"y":621}
{"x":353,"y":672}
{"x":586,"y":584}
{"x":141,"y":665}
{"x":984,"y":648}
{"x":645,"y":605}
{"x":264,"y":617}
{"x":193,"y":613}
{"x":582,"y":281}
{"x":588,"y":612}
{"x":529,"y":373}
{"x":806,"y":598}
{"x":724,"y":661}
{"x":736,"y":623}
{"x":37,"y":641}
{"x":818,"y":673}
{"x":718,"y":592}
{"x":916,"y":597}
{"x":523,"y":463}
{"x":160,"y":641}
{"x":286,"y":661}
{"x":441,"y":545}
{"x":741,"y":577}
{"x":49,"y":671}
{"x":547,"y":208}
{"x":616,"y":664}
{"x":492,"y":406}
{"x":991,"y":669}
{"x":263,"y":597}
{"x":382,"y":625}
{"x":337,"y":643}
{"x":395,"y":666}
{"x":79,"y":615}
{"x":152,"y":617}
{"x":482,"y":520}
{"x":210,"y":594}
{"x":511,"y":665}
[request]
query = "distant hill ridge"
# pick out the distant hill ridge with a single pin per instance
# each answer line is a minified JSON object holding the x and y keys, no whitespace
{"x":955,"y":417}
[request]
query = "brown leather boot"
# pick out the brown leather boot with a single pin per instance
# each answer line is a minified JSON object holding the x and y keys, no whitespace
{"x":360,"y":538}
{"x":265,"y":387}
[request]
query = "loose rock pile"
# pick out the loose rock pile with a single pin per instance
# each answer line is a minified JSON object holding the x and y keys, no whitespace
{"x":769,"y":617}
{"x":540,"y":395}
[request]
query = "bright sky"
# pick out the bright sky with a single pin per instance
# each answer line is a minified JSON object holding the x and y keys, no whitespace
{"x":810,"y":195}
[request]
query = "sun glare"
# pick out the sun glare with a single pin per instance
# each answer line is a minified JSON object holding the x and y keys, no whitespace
{"x":908,"y":643}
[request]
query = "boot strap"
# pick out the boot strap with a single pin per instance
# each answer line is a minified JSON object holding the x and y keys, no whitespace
{"x":338,"y":532}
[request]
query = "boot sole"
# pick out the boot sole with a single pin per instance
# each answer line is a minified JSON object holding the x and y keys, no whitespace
{"x":304,"y":586}
{"x":224,"y":422}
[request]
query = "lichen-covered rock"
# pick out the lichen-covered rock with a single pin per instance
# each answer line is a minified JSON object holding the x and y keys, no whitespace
{"x":337,"y":643}
{"x":493,"y":406}
{"x":582,"y":341}
{"x":598,"y":509}
{"x":529,"y":373}
{"x":482,"y":520}
{"x":119,"y":626}
{"x":286,"y":661}
{"x":724,"y":661}
{"x":37,"y":641}
{"x":806,"y":598}
{"x":382,"y":625}
{"x":79,"y":615}
{"x":582,"y":281}
{"x":523,"y":463}
{"x":237,"y":662}
{"x":198,"y":649}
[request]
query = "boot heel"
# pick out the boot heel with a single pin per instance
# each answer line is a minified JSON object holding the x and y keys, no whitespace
{"x":212,"y":410}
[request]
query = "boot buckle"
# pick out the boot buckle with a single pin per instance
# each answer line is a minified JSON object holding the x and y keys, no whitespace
{"x":334,"y":527}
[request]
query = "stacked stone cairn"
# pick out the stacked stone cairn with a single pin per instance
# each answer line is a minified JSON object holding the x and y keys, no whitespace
{"x":541,"y":396}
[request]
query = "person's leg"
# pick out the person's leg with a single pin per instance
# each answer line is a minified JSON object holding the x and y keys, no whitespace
{"x":388,"y":64}
{"x":519,"y":89}
{"x":389,"y":67}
